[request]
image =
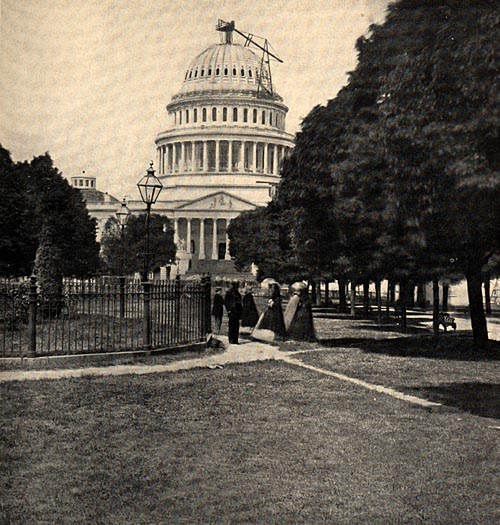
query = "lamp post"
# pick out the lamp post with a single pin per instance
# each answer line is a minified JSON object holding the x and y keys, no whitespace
{"x":149,"y":188}
{"x":122,"y":215}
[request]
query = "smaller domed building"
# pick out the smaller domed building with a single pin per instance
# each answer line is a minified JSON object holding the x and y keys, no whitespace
{"x":100,"y":205}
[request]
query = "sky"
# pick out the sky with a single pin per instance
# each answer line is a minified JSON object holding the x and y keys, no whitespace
{"x":88,"y":80}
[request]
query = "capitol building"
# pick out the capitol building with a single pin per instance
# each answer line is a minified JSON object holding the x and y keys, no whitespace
{"x":222,"y":151}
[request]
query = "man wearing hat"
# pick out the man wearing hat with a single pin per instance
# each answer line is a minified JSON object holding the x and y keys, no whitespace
{"x":218,"y":310}
{"x":232,"y":302}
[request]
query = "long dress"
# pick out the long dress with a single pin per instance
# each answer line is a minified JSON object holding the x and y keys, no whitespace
{"x":250,"y":315}
{"x":271,"y":326}
{"x":301,"y":327}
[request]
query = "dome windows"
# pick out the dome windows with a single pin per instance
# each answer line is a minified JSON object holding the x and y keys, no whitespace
{"x":245,"y":115}
{"x":202,"y":73}
{"x":242,"y":72}
{"x":209,"y":72}
{"x":255,"y":116}
{"x":234,"y":72}
{"x":195,"y":115}
{"x":214,"y":114}
{"x":224,"y":114}
{"x":217,"y":71}
{"x":250,"y":74}
{"x":195,"y":73}
{"x":235,"y":114}
{"x":226,"y":71}
{"x":263,"y":117}
{"x":204,"y":115}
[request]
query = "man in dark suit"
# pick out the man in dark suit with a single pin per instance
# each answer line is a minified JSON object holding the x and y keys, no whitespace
{"x":232,"y":302}
{"x":218,"y":310}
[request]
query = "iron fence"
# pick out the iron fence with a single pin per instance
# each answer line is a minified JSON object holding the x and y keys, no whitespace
{"x":101,"y":315}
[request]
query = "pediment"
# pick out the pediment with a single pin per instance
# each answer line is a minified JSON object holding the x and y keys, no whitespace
{"x":219,"y":201}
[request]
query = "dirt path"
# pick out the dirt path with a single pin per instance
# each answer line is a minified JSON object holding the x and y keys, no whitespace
{"x":246,"y":352}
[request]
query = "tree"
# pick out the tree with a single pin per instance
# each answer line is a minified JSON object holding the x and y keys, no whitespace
{"x":49,"y":271}
{"x":17,"y":240}
{"x":261,"y":236}
{"x":448,"y":90}
{"x":33,"y":196}
{"x":162,"y":249}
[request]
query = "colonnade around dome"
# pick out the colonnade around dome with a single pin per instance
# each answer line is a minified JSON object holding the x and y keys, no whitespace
{"x":219,"y":155}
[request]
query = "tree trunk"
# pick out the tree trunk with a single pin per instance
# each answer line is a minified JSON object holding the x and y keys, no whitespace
{"x":366,"y":297}
{"x":487,"y":294}
{"x":446,"y":293}
{"x":410,"y":295}
{"x":403,"y":294}
{"x":313,"y":290}
{"x":435,"y":308}
{"x":388,"y":299}
{"x":342,"y":295}
{"x":392,"y":293}
{"x":477,"y":316}
{"x":353,"y":298}
{"x":421,"y":298}
{"x":378,"y":296}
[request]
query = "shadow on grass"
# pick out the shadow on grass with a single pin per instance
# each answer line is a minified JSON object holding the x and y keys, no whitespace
{"x":480,"y":399}
{"x":452,"y":346}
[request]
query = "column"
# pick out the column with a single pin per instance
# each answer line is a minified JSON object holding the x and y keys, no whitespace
{"x":230,"y":156}
{"x":254,"y":158}
{"x":205,"y":155}
{"x":188,"y":236}
{"x":162,"y":165}
{"x":265,"y":157}
{"x":193,"y":158}
{"x":202,"y":239}
{"x":217,"y":151}
{"x":214,"y":240}
{"x":182,"y":162}
{"x":275,"y":161}
{"x":176,"y":232}
{"x":227,"y":256}
{"x":158,"y":151}
{"x":174,"y":156}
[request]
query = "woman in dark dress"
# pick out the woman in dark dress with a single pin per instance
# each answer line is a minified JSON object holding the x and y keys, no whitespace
{"x":250,"y":315}
{"x":271,"y":325}
{"x":298,"y":317}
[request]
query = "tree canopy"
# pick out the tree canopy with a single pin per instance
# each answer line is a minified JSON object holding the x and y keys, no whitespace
{"x":131,"y":252}
{"x":34,"y":196}
{"x":398,"y":175}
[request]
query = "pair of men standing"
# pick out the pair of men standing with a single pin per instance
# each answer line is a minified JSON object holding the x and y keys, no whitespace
{"x":234,"y":308}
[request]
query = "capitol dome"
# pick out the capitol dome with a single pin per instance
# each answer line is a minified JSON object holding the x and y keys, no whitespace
{"x":222,"y":69}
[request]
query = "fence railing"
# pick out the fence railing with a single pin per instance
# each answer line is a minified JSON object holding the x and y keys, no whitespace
{"x":101,"y":315}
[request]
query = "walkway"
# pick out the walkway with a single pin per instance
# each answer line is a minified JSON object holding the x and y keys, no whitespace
{"x":245,"y":352}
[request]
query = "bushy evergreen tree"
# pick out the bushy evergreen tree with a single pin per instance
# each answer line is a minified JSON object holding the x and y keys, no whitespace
{"x":131,"y":252}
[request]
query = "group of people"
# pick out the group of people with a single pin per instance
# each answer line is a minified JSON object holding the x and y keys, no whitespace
{"x":272,"y":325}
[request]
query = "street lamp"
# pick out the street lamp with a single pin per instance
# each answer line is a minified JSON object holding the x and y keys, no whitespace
{"x":122,"y":215}
{"x":149,"y":188}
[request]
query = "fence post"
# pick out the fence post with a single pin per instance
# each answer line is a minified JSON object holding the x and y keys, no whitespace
{"x":122,"y":296}
{"x":146,"y":286}
{"x":32,"y":317}
{"x":207,"y":288}
{"x":177,"y":307}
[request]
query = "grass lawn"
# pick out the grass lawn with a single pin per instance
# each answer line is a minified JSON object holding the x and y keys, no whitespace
{"x":263,"y":443}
